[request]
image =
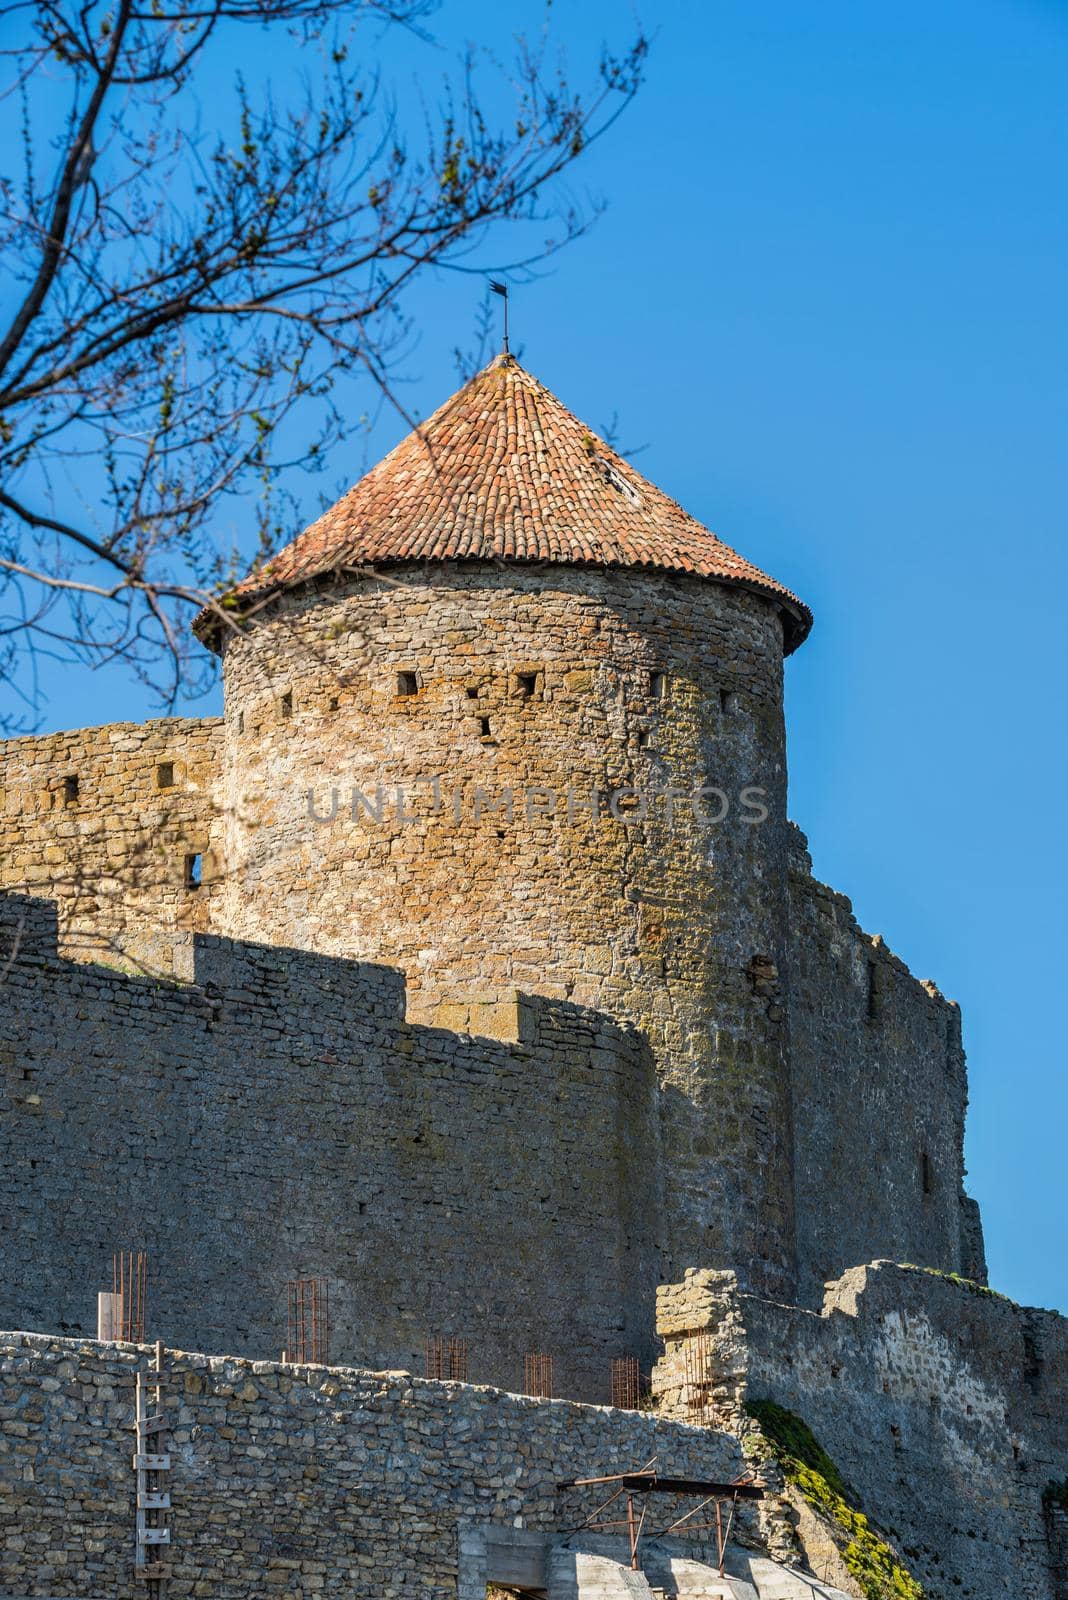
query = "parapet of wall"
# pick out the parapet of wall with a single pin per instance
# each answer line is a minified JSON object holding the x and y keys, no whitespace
{"x":107,"y":822}
{"x":278,"y":1116}
{"x":879,"y":1096}
{"x":303,"y":1481}
{"x":942,"y":1403}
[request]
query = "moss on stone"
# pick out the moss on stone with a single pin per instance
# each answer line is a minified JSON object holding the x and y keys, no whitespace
{"x":807,"y":1466}
{"x":968,"y":1284}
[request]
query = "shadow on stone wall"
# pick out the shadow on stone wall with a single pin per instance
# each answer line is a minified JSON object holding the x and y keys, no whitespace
{"x":278,"y":1116}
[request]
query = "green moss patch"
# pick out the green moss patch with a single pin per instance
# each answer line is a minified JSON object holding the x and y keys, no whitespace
{"x":807,"y":1466}
{"x":969,"y":1284}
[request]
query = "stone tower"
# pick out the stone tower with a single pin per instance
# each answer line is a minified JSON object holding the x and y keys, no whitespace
{"x":499,"y":671}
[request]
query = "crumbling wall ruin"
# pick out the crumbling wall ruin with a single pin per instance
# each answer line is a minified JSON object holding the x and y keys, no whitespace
{"x":941,"y":1403}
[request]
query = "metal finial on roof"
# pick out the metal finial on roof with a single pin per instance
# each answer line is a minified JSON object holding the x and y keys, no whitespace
{"x":502,"y":290}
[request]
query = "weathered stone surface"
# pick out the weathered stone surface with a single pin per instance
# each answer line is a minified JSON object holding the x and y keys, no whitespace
{"x":279,"y":1115}
{"x":944,"y":1406}
{"x":528,"y":1032}
{"x":530,"y":687}
{"x":302,"y":1480}
{"x":772,"y":1126}
{"x":879,"y":1094}
{"x":104,"y":821}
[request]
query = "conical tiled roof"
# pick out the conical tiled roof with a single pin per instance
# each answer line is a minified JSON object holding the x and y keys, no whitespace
{"x":503,"y":472}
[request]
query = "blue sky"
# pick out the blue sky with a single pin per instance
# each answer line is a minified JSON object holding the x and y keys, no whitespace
{"x":829,"y":295}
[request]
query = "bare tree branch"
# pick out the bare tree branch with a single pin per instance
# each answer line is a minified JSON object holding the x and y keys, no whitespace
{"x":189,"y":308}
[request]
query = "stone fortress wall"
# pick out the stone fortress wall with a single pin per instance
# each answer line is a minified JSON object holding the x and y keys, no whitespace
{"x":539,"y":684}
{"x":879,"y":1085}
{"x":795,"y":1103}
{"x":301,"y":1481}
{"x":271,"y":1111}
{"x":943,"y":1405}
{"x":811,"y":1093}
{"x":107,"y":822}
{"x":277,"y":1116}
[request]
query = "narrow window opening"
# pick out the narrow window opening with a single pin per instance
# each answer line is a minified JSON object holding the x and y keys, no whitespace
{"x":70,"y":789}
{"x":873,"y":990}
{"x":334,"y":702}
{"x":728,"y":702}
{"x":165,"y":775}
{"x":484,"y":727}
{"x":657,"y":685}
{"x":643,"y":738}
{"x":926,"y":1174}
{"x":240,"y":722}
{"x":285,"y":705}
{"x":194,"y":871}
{"x":526,"y":685}
{"x":407,"y":683}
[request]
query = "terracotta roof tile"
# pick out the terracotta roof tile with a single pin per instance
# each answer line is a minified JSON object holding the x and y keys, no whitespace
{"x":503,"y":471}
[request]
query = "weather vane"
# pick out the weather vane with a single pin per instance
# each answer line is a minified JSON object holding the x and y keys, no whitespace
{"x":502,"y":290}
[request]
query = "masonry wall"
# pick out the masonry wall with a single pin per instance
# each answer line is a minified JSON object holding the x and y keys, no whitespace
{"x":300,"y":1481}
{"x":103,"y":821}
{"x":525,"y":686}
{"x":278,"y":1116}
{"x":879,"y":1094}
{"x":942,"y":1404}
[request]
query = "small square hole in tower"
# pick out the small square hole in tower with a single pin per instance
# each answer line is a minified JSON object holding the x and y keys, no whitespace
{"x":71,"y":788}
{"x":194,"y":870}
{"x":472,"y":691}
{"x":657,"y":685}
{"x":165,"y":775}
{"x":285,"y":704}
{"x":484,"y":727}
{"x":526,"y":685}
{"x":728,"y":702}
{"x":407,"y":683}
